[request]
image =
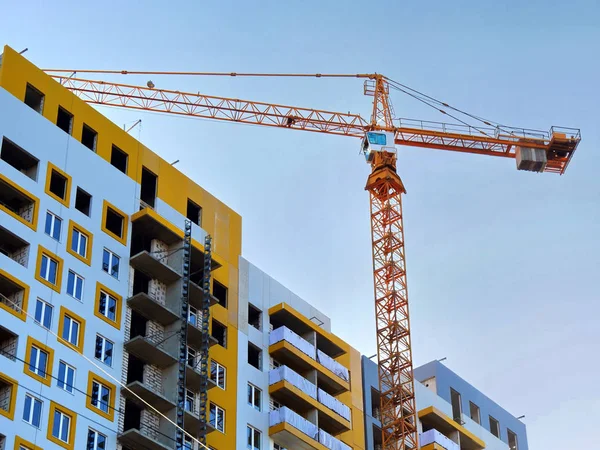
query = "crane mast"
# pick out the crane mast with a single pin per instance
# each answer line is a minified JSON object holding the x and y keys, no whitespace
{"x":534,"y":150}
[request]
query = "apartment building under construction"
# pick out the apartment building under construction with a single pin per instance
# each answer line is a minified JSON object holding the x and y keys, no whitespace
{"x":92,"y":227}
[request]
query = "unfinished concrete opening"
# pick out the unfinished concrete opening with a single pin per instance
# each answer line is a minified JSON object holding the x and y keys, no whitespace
{"x":21,"y":160}
{"x":141,"y":282}
{"x":16,"y":201}
{"x":219,"y":332}
{"x":8,"y":343}
{"x":194,"y":212}
{"x":375,"y":404}
{"x":11,"y":294}
{"x":456,"y":406}
{"x":135,"y":369}
{"x":220,"y":293}
{"x":89,"y":137}
{"x":148,"y":188}
{"x":64,"y":120}
{"x":254,"y":317}
{"x":7,"y":390}
{"x":118,"y":158}
{"x":138,"y":325}
{"x":2,"y":442}
{"x":494,"y":427}
{"x":132,"y":417}
{"x":474,"y":413}
{"x":254,"y":356}
{"x":58,"y":184}
{"x":83,"y":201}
{"x":512,"y":441}
{"x":377,"y":437}
{"x":14,"y":247}
{"x":114,"y":222}
{"x":34,"y":98}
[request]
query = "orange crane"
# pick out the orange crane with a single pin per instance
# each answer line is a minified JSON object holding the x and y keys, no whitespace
{"x":534,"y":150}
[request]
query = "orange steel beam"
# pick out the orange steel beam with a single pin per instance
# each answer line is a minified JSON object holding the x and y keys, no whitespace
{"x":412,"y":133}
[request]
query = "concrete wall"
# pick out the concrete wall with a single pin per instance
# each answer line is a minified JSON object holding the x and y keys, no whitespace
{"x":446,"y":379}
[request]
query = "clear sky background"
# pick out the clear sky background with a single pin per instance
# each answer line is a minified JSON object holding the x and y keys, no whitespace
{"x":503,"y":266}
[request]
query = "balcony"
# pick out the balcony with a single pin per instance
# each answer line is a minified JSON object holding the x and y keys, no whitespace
{"x":154,"y":268}
{"x":433,"y":418}
{"x":147,"y":351}
{"x":142,"y":390}
{"x":293,"y":431}
{"x":192,"y":422}
{"x":292,"y":389}
{"x":295,"y":352}
{"x":430,"y":440}
{"x":151,"y":309}
{"x":197,"y":296}
{"x":134,"y":438}
{"x":14,"y":247}
{"x":193,"y":378}
{"x":18,"y":203}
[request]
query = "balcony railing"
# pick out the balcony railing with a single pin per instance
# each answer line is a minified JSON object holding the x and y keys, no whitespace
{"x":333,"y":365}
{"x":285,"y":334}
{"x":334,"y":404}
{"x":434,"y":436}
{"x":332,"y":443}
{"x":286,"y":415}
{"x":294,"y":378}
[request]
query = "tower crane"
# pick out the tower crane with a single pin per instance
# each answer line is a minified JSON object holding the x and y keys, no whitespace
{"x":533,"y":150}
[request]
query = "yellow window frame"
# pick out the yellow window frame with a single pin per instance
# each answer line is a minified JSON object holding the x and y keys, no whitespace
{"x":117,"y":322}
{"x":22,"y":443}
{"x":31,"y":342}
{"x":72,"y":415}
{"x":44,"y":251}
{"x":66,"y":312}
{"x":33,"y":198}
{"x":10,"y":414}
{"x":23,"y":314}
{"x":110,"y":415}
{"x":122,"y":239}
{"x":87,"y":259}
{"x":65,"y":201}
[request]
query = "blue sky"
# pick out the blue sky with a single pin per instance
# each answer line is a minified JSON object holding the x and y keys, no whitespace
{"x":502,"y":265}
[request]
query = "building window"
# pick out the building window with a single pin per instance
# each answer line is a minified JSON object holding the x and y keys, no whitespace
{"x":254,"y":397}
{"x":118,"y":158}
{"x":58,"y":184}
{"x":80,"y":243}
{"x":43,"y":313}
{"x":75,"y":285}
{"x":193,"y":316}
{"x":148,"y":186}
{"x":254,"y":317}
{"x":95,"y":440}
{"x":494,"y":427}
{"x":101,"y":396}
{"x":66,"y":377}
{"x":34,"y":99}
{"x":217,"y":417}
{"x":219,"y":332}
{"x":188,"y":443}
{"x":194,"y":212}
{"x":83,"y":201}
{"x":110,"y":263}
{"x":474,"y":413}
{"x":48,"y":269}
{"x":192,"y":357}
{"x":32,"y":411}
{"x":104,"y":350}
{"x":8,"y":395}
{"x":108,"y":306}
{"x":89,"y":137}
{"x":512,"y":440}
{"x":220,"y":293}
{"x":53,"y":225}
{"x":71,"y":330}
{"x":456,"y":406}
{"x":253,"y":438}
{"x":114,"y":223}
{"x":18,"y":158}
{"x":61,"y":426}
{"x":277,"y":447}
{"x":38,"y":361}
{"x":217,"y":373}
{"x":190,"y":401}
{"x":254,"y":356}
{"x":64,"y":120}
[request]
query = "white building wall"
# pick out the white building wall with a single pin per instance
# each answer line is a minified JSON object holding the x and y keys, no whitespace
{"x":48,"y":143}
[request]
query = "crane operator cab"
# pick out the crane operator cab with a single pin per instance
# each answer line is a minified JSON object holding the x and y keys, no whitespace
{"x":377,"y":141}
